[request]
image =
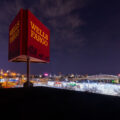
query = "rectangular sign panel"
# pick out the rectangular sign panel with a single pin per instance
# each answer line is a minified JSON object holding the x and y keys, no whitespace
{"x":14,"y":37}
{"x":38,"y":39}
{"x":28,"y":37}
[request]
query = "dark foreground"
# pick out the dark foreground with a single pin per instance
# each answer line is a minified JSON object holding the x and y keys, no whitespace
{"x":50,"y":103}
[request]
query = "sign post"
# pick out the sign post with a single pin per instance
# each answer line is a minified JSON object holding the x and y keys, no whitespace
{"x":28,"y":83}
{"x":28,"y":70}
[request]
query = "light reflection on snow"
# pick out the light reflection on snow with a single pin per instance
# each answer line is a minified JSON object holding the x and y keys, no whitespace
{"x":100,"y":88}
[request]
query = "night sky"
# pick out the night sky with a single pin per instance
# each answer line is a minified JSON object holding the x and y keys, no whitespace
{"x":85,"y":35}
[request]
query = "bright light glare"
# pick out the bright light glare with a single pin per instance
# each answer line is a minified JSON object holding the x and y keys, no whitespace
{"x":46,"y":74}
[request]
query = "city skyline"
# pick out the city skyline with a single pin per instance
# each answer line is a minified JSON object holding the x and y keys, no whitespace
{"x":84,"y":35}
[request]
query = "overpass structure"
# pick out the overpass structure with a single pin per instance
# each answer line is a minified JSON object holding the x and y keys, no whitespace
{"x":100,"y":78}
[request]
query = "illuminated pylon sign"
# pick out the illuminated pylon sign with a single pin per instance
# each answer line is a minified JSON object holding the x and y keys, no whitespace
{"x":28,"y":37}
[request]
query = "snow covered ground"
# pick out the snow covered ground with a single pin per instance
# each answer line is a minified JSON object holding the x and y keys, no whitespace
{"x":101,"y":88}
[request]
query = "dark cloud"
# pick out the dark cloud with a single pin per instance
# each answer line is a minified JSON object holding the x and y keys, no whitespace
{"x":52,"y":8}
{"x":63,"y":21}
